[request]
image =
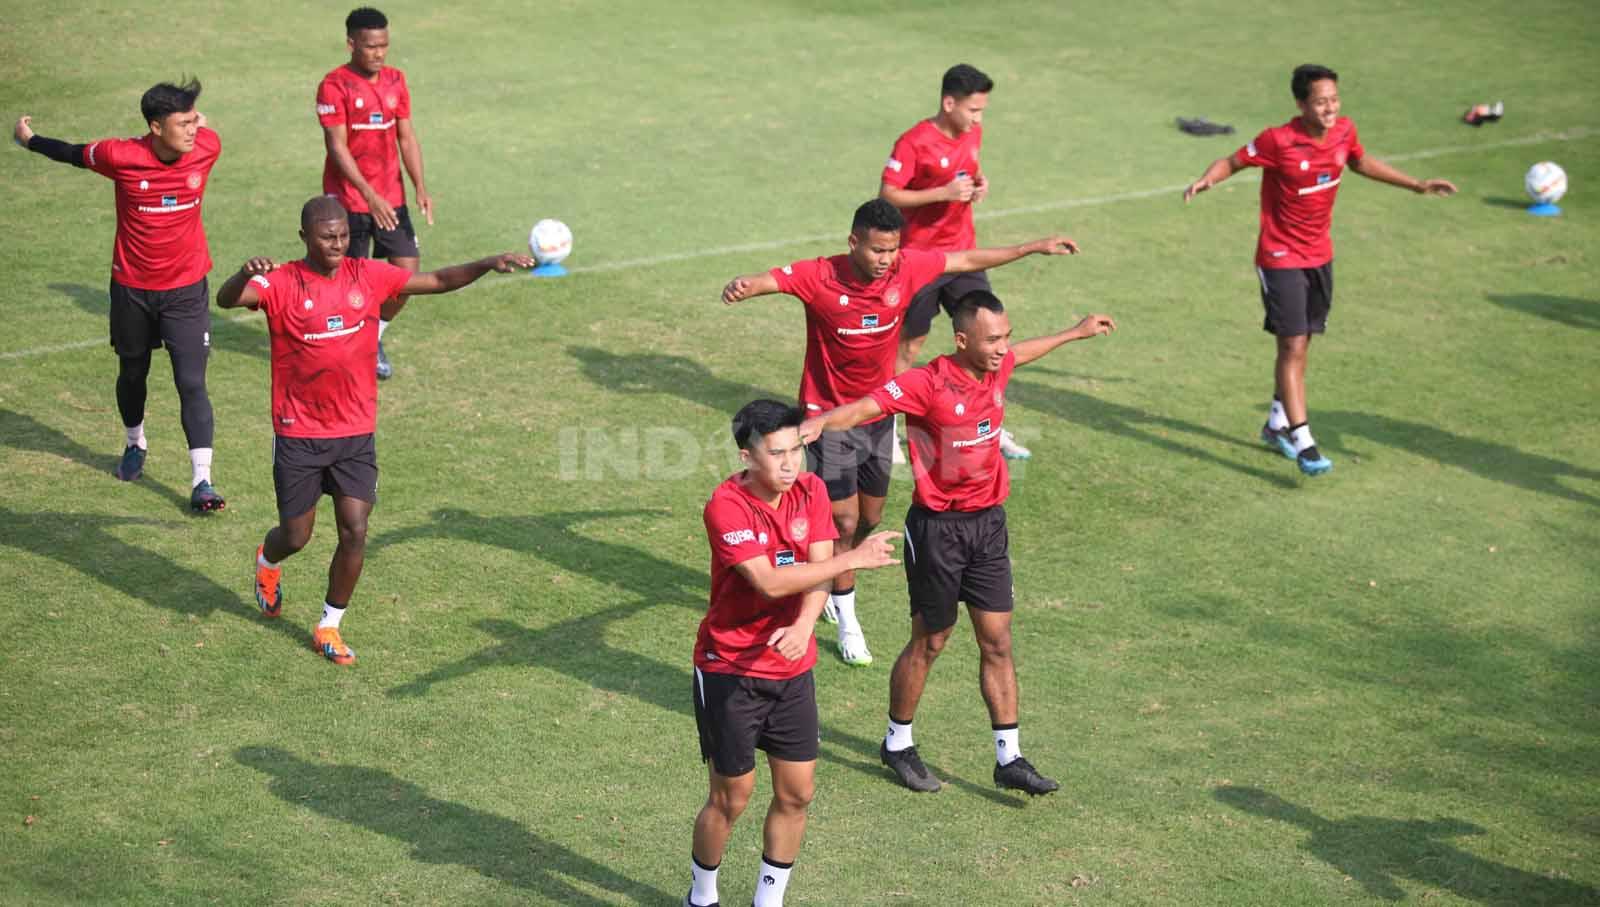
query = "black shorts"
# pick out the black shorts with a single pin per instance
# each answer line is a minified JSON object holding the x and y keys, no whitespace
{"x":738,"y":715}
{"x":945,"y":291}
{"x":143,"y":320}
{"x":954,"y":556}
{"x":401,"y":242}
{"x":305,"y":469}
{"x":855,"y":460}
{"x":1297,"y":300}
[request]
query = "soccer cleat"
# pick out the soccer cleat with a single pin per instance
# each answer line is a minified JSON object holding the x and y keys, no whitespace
{"x":327,"y":643}
{"x":1010,"y":449}
{"x":1203,"y":126}
{"x":689,"y":903}
{"x":853,"y":647}
{"x":830,"y":611}
{"x":1277,"y":439}
{"x":384,"y":368}
{"x":205,"y":499}
{"x":1478,"y":114}
{"x":1313,"y":463}
{"x":131,"y":466}
{"x":1018,"y":774}
{"x":269,"y":595}
{"x":908,"y":765}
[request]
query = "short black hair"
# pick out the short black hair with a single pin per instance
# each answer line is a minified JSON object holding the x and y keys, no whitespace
{"x":165,"y":99}
{"x":759,"y":418}
{"x":963,"y":79}
{"x":321,"y":208}
{"x":1304,"y":75}
{"x":967,"y":308}
{"x":362,"y":18}
{"x":877,"y":214}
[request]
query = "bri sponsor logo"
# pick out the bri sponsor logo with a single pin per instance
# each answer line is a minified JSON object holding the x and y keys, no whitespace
{"x":739,"y":536}
{"x":895,"y":165}
{"x":325,"y":109}
{"x":894,"y":390}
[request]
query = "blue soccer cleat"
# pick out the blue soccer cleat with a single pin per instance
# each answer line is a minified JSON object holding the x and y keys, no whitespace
{"x":1278,"y":439}
{"x":1313,"y":463}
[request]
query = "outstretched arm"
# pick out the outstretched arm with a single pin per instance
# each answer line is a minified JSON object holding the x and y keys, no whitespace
{"x":742,"y":288}
{"x":1372,"y":168}
{"x":237,"y":291}
{"x":780,"y":582}
{"x":840,"y":418}
{"x":457,"y":276}
{"x":1035,"y":347}
{"x":984,"y":259}
{"x":1220,"y":169}
{"x":54,"y":149}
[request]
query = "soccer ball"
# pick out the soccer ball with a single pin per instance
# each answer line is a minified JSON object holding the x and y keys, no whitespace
{"x":550,"y":242}
{"x":1546,"y":182}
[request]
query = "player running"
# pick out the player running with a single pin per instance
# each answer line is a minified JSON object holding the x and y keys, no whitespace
{"x":1302,"y":161}
{"x":325,"y":395}
{"x":772,"y":555}
{"x":159,"y":263}
{"x":957,"y":544}
{"x":855,"y":304}
{"x":934,"y":178}
{"x":365,"y":111}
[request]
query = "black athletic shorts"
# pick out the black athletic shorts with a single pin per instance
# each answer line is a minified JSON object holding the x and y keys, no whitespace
{"x":856,"y":459}
{"x":305,"y":469}
{"x":143,"y":320}
{"x":738,"y":715}
{"x":1297,"y":300}
{"x":946,"y":291}
{"x":401,"y":242}
{"x":956,"y":556}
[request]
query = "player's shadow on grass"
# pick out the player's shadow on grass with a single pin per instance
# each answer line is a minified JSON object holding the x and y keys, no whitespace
{"x":675,"y":376}
{"x":580,"y":647}
{"x":443,"y":832}
{"x":84,"y":543}
{"x":1376,"y":852}
{"x":23,"y":432}
{"x":226,"y":334}
{"x":1578,"y":313}
{"x":1127,"y":422}
{"x":1489,"y":459}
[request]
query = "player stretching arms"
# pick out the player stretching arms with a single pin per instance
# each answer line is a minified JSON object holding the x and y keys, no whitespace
{"x":325,"y":394}
{"x":771,"y":560}
{"x":957,"y":545}
{"x":365,"y":111}
{"x":159,"y":263}
{"x":854,"y":307}
{"x":1302,"y":161}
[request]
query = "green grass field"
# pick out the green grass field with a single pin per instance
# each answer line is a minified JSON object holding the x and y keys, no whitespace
{"x":1376,"y":686}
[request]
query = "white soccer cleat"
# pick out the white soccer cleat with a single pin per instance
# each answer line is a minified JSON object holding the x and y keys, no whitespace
{"x":1010,"y":449}
{"x":853,"y":648}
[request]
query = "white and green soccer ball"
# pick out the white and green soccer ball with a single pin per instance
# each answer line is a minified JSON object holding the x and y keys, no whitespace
{"x":550,"y":242}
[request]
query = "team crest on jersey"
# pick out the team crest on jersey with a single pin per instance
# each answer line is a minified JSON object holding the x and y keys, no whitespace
{"x":999,"y":399}
{"x":169,"y":201}
{"x":944,"y":162}
{"x":799,"y":528}
{"x":335,"y":322}
{"x":844,"y":300}
{"x":392,"y":101}
{"x":144,"y":184}
{"x":356,"y":299}
{"x":961,"y":409}
{"x":762,"y":538}
{"x":892,"y":298}
{"x":193,"y":181}
{"x":1305,"y":165}
{"x":309,"y":304}
{"x":784,"y":558}
{"x":869,"y":321}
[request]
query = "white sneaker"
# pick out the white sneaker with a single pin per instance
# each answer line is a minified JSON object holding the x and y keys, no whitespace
{"x":1010,"y":449}
{"x":830,"y":611}
{"x":853,"y":648}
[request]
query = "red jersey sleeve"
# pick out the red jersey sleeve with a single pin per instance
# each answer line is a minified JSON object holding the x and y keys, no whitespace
{"x":820,"y":511}
{"x":902,"y":163}
{"x":1356,"y":151}
{"x":103,"y":157}
{"x":799,"y":279}
{"x":732,"y":533}
{"x":269,"y":291}
{"x":1261,"y":152}
{"x":402,"y":109}
{"x":386,"y":279}
{"x":907,"y":392}
{"x":922,"y":266}
{"x":330,"y":103}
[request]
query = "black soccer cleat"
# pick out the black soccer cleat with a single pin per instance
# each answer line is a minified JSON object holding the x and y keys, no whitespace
{"x":908,"y":765}
{"x":131,"y":465}
{"x":1203,"y":126}
{"x":1018,"y":774}
{"x":205,"y":499}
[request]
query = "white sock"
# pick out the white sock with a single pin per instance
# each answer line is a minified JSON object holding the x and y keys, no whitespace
{"x":898,"y":737}
{"x":382,"y":326}
{"x":330,"y":616}
{"x":1277,"y":418}
{"x":136,"y":437}
{"x":200,"y":459}
{"x":845,"y":603}
{"x":773,"y":880}
{"x":1006,"y":745}
{"x":1300,"y":437}
{"x":704,"y":891}
{"x":261,"y":560}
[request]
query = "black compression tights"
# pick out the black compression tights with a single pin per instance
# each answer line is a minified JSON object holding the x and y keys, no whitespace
{"x":188,"y":374}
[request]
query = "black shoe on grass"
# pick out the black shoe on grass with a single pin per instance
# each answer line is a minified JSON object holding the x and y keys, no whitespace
{"x":132,"y":464}
{"x":205,"y":499}
{"x":908,"y":765}
{"x":1019,"y":774}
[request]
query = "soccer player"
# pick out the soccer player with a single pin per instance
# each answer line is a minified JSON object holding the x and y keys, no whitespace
{"x":365,"y":111}
{"x":855,"y":304}
{"x":772,"y":557}
{"x":325,"y":394}
{"x":957,"y":545}
{"x":1302,"y":162}
{"x":934,"y":178}
{"x":159,"y":263}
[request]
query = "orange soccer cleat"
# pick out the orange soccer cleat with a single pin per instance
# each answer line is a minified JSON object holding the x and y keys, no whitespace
{"x":327,"y":642}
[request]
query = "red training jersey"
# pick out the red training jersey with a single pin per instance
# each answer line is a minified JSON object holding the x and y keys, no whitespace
{"x":953,"y":425}
{"x":325,"y":345}
{"x":161,"y":241}
{"x":1299,"y":181}
{"x":370,"y":112}
{"x":733,"y":634}
{"x":852,"y":328}
{"x":925,"y":158}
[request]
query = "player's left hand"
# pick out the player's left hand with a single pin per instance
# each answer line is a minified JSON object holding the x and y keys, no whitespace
{"x":512,"y":261}
{"x":1094,"y":326}
{"x":1053,"y":245}
{"x":23,"y":131}
{"x":737,"y":289}
{"x":259,"y":265}
{"x":1436,"y":187}
{"x":791,"y":641}
{"x":425,"y":204}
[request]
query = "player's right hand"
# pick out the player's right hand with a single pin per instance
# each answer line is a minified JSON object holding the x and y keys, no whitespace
{"x":959,"y":189}
{"x":512,"y":261}
{"x":736,"y":290}
{"x":23,"y":132}
{"x":1195,"y":188}
{"x":811,"y":429}
{"x":1095,"y":325}
{"x":258,"y":265}
{"x":876,"y":551}
{"x":382,"y":212}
